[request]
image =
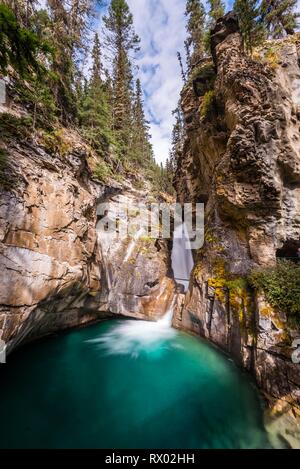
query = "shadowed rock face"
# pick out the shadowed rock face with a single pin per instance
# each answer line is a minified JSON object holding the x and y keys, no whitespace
{"x":135,"y":267}
{"x":242,"y":159}
{"x":53,"y":267}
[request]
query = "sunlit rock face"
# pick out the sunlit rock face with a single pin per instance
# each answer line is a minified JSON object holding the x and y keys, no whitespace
{"x":241,"y":157}
{"x":53,"y":266}
{"x":49,"y":260}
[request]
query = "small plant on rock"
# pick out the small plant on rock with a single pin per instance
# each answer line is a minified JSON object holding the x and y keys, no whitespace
{"x":102,"y":172}
{"x":207,"y":103}
{"x":281,"y":286}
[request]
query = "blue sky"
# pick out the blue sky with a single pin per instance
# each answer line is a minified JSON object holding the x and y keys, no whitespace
{"x":161,"y":27}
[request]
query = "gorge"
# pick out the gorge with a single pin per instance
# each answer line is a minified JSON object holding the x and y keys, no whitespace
{"x":173,"y":338}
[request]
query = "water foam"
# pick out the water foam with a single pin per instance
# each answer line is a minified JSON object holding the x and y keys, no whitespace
{"x":136,"y":337}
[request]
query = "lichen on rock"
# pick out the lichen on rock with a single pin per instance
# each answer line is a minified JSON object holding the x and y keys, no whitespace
{"x":243,"y":161}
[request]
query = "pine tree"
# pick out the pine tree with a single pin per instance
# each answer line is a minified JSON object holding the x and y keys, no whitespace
{"x":251,"y":29}
{"x":195,"y":13}
{"x":24,"y":55}
{"x":121,"y":40}
{"x":23,"y":10}
{"x":280,"y":17}
{"x":62,"y":66}
{"x":68,"y":27}
{"x":141,"y":146}
{"x":95,"y":111}
{"x":96,"y":57}
{"x":177,"y":137}
{"x":216,"y":11}
{"x":183,"y":75}
{"x":19,"y":47}
{"x":166,"y":176}
{"x":187,"y":49}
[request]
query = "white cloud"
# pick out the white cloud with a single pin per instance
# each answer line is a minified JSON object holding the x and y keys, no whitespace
{"x":161,"y":26}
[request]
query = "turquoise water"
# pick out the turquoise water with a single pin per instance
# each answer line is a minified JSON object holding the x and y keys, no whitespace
{"x":124,"y":384}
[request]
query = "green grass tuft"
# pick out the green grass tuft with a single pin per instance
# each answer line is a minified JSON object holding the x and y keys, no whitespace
{"x":207,"y":103}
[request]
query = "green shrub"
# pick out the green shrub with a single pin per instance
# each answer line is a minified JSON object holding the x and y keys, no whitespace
{"x":281,"y":285}
{"x":11,"y":126}
{"x":238,"y":283}
{"x":118,"y":178}
{"x":203,"y":78}
{"x":268,"y":56}
{"x":57,"y":142}
{"x":207,"y":103}
{"x":146,"y":239}
{"x":138,"y":184}
{"x":272,"y":58}
{"x":102,"y":172}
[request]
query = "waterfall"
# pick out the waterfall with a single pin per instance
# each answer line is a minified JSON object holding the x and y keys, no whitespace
{"x":134,"y":337}
{"x":166,"y":320}
{"x":182,"y":259}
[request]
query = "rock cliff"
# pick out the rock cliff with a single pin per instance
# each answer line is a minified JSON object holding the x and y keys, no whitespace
{"x":241,"y":158}
{"x":54,"y":267}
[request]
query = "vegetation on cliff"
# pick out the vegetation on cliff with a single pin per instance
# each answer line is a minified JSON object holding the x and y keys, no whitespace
{"x":251,"y":25}
{"x":19,"y":47}
{"x":270,"y":19}
{"x":258,"y":20}
{"x":195,"y":13}
{"x":44,"y":56}
{"x":279,"y":17}
{"x":281,"y":286}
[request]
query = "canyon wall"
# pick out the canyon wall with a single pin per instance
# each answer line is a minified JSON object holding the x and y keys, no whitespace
{"x":54,"y":267}
{"x":241,"y":158}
